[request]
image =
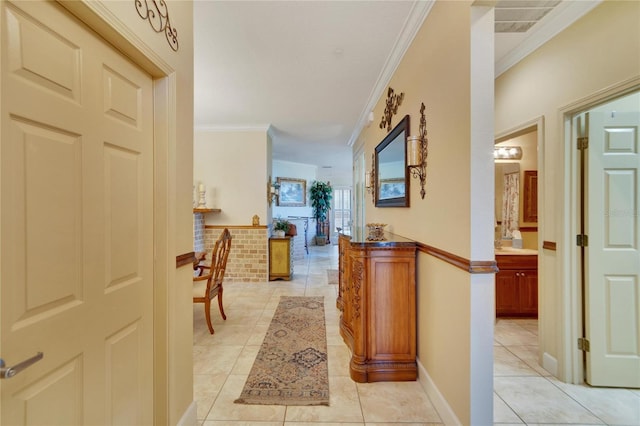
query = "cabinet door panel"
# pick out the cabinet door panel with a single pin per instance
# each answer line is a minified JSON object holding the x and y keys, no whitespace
{"x":506,"y":293}
{"x":392,"y":312}
{"x":528,"y":292}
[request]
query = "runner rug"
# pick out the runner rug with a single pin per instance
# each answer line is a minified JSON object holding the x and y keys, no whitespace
{"x":291,"y":366}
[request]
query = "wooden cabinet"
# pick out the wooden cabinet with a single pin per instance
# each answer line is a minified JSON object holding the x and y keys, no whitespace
{"x":377,"y":296}
{"x":517,"y":286}
{"x":280,"y":259}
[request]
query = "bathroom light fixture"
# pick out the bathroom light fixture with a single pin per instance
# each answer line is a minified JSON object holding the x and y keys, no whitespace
{"x":507,"y":153}
{"x":417,"y":150}
{"x":273,"y":189}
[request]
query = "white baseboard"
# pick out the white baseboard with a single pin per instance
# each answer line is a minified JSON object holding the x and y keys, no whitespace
{"x":550,"y":364}
{"x":190,"y":416}
{"x":439,"y":402}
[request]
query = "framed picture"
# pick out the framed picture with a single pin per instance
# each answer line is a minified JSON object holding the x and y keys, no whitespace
{"x":391,"y":188}
{"x":292,"y":193}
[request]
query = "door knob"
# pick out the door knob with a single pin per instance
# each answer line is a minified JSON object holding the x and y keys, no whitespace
{"x":9,"y":372}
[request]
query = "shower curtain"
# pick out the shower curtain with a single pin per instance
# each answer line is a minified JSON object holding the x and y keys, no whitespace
{"x":510,"y":202}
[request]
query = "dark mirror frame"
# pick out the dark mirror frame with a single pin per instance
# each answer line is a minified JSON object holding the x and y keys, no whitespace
{"x":401,"y":128}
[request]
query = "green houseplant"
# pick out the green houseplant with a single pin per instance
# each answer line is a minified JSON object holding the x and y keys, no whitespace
{"x":281,"y":226}
{"x":320,"y":197}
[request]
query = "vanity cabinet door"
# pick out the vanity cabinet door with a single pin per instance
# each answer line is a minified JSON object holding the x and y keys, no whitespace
{"x":528,"y":292}
{"x":507,"y":293}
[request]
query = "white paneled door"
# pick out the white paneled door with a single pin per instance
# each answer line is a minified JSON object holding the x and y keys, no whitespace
{"x":612,"y":285}
{"x":76,"y":224}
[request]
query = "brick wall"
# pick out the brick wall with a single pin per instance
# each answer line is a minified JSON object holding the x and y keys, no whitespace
{"x":198,"y":232}
{"x":248,"y":260}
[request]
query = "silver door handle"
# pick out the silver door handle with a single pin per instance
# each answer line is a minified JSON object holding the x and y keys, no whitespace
{"x":9,"y":372}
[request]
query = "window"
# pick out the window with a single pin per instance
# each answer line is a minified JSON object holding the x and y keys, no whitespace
{"x":342,"y":209}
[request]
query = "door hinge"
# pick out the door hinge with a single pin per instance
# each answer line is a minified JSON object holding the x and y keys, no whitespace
{"x":583,"y":143}
{"x":583,"y":344}
{"x":582,"y":240}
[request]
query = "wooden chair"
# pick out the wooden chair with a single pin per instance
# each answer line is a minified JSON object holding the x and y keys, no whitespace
{"x":209,"y":284}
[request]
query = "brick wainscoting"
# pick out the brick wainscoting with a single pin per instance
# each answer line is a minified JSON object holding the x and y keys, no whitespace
{"x":248,"y":261}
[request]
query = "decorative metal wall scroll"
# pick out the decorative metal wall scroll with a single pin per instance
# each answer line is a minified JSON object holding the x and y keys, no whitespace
{"x":391,"y":108}
{"x":157,"y":13}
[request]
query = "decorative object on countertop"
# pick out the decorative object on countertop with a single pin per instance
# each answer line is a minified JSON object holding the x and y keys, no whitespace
{"x":376,"y":231}
{"x":417,"y":152}
{"x":273,"y":188}
{"x":391,"y":108}
{"x":291,"y":365}
{"x":255,"y":221}
{"x":320,"y":194}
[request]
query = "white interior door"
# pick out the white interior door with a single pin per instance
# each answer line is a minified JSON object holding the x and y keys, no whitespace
{"x":612,"y":291}
{"x":76,"y":175}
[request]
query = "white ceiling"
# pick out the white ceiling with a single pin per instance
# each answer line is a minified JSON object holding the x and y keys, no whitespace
{"x":312,"y":70}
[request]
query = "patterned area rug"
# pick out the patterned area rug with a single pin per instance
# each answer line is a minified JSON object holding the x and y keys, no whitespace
{"x":291,"y":366}
{"x":332,"y":276}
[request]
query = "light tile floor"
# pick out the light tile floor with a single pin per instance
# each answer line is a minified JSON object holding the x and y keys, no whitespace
{"x":524,"y":392}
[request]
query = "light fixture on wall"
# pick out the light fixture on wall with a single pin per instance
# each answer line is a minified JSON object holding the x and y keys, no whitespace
{"x":507,"y":153}
{"x":370,"y":179}
{"x":273,"y":189}
{"x":417,"y":153}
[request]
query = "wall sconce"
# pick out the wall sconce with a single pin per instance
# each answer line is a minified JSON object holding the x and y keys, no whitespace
{"x":370,"y":179}
{"x":417,"y":153}
{"x":507,"y":153}
{"x":273,"y":189}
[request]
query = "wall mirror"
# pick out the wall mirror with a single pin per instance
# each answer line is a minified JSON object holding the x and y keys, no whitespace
{"x":507,"y":195}
{"x":392,"y":174}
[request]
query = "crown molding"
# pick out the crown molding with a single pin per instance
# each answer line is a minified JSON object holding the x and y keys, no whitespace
{"x":249,"y":128}
{"x":560,"y":18}
{"x":416,"y":17}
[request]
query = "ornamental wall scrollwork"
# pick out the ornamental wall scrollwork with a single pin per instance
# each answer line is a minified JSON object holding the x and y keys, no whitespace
{"x":390,"y":108}
{"x":157,"y":13}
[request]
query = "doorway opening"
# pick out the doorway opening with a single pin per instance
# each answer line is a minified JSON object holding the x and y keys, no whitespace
{"x":516,"y":221}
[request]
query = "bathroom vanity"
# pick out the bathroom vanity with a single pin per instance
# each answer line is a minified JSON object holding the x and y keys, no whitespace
{"x":517,"y":283}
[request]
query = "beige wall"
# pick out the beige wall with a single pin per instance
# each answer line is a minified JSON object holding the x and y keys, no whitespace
{"x":599,"y":51}
{"x":233,"y":166}
{"x":436,"y":70}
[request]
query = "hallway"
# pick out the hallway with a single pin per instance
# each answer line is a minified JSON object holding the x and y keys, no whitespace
{"x":524,"y":392}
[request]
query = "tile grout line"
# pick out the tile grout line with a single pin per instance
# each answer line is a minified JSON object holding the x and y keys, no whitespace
{"x":576,"y":401}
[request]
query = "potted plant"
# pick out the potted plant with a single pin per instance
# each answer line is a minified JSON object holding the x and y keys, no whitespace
{"x":320,"y":197}
{"x":280,"y":227}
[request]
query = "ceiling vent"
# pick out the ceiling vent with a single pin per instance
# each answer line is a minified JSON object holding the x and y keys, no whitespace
{"x":517,"y":16}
